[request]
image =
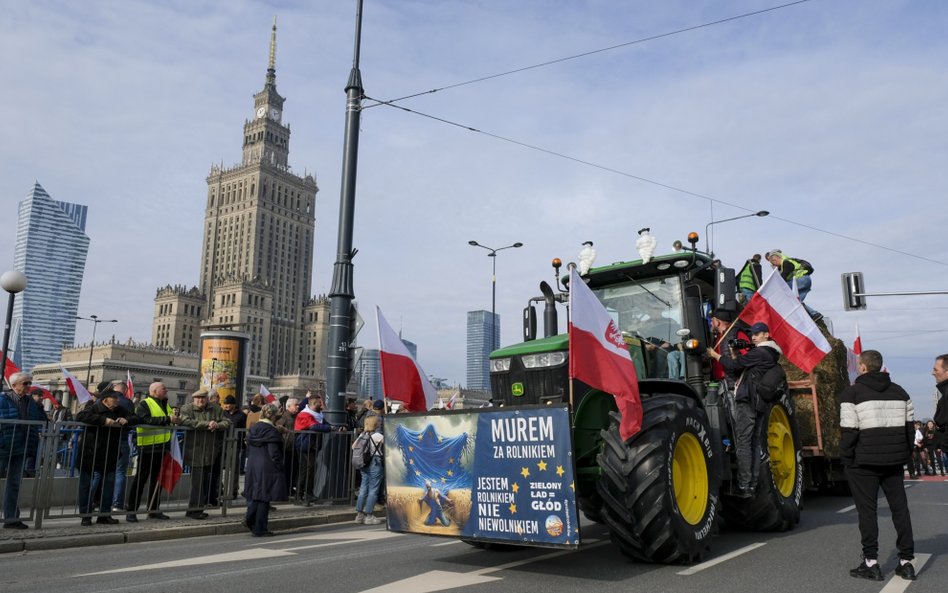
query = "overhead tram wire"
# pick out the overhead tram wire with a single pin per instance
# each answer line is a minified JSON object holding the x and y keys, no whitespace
{"x":588,"y":53}
{"x":649,"y":181}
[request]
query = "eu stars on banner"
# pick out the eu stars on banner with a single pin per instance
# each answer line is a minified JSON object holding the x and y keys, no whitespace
{"x":599,"y":357}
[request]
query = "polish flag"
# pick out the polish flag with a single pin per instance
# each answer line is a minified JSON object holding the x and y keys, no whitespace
{"x":402,"y":377}
{"x":852,"y":357}
{"x":266,"y":393}
{"x":47,"y":394}
{"x":857,"y":344}
{"x":129,"y":389}
{"x":75,"y":387}
{"x":790,"y":326}
{"x":172,"y":465}
{"x":10,"y":369}
{"x":451,"y":401}
{"x":599,"y":357}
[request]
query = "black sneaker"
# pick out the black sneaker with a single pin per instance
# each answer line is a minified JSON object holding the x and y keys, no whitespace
{"x":160,"y":516}
{"x":906,"y":571}
{"x":873,"y":573}
{"x":131,"y":518}
{"x":86,"y":522}
{"x":15,"y":525}
{"x":107,"y":521}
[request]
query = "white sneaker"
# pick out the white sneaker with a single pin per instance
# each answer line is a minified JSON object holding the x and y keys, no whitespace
{"x":372,"y":520}
{"x":360,"y":517}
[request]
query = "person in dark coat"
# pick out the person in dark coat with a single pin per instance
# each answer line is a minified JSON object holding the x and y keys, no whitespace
{"x":749,"y":416}
{"x":940,"y":372}
{"x":98,"y":454}
{"x":876,"y":423}
{"x":264,"y":480}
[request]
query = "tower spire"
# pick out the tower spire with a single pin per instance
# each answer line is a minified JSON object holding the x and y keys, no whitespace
{"x":271,"y":65}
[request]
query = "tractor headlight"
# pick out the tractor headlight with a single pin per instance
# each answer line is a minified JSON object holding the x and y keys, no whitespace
{"x":547,"y":359}
{"x":499,"y":365}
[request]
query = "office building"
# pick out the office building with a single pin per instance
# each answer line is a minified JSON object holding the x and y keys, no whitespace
{"x":483,"y":336}
{"x":51,"y":249}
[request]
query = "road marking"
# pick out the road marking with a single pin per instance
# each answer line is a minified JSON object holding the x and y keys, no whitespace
{"x":846,"y":510}
{"x":440,"y":580}
{"x":897,"y":584}
{"x":699,"y":567}
{"x":342,"y":538}
{"x":241,"y":555}
{"x":450,"y":543}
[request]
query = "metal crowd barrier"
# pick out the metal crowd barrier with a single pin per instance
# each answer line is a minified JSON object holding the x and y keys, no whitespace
{"x":57,"y":481}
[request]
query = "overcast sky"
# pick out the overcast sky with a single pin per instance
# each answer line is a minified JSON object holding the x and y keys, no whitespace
{"x":830,"y":114}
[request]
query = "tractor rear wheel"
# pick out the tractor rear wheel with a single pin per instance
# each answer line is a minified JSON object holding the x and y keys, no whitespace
{"x":659,"y":489}
{"x":777,"y":500}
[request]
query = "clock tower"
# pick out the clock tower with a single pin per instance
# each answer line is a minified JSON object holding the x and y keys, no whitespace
{"x":266,"y":139}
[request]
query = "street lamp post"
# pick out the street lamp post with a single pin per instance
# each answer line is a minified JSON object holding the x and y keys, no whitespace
{"x":493,"y":289}
{"x":12,"y":282}
{"x":707,"y":237}
{"x":95,"y":323}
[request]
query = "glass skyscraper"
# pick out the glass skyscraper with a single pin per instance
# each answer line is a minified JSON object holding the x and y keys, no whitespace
{"x":480,"y":326}
{"x":51,"y":249}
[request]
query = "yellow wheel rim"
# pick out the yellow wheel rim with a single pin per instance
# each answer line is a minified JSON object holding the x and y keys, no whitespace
{"x":783,"y":455}
{"x":690,"y":478}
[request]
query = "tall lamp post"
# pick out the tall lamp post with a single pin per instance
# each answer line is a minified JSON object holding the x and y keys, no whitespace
{"x":493,"y":285}
{"x":95,"y":323}
{"x":12,"y":282}
{"x":707,"y":237}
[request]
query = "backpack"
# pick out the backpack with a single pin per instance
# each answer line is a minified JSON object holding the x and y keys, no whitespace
{"x":362,"y":451}
{"x":772,"y":384}
{"x":806,"y":265}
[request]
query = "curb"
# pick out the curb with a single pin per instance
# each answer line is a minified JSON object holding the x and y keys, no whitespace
{"x":151,"y":535}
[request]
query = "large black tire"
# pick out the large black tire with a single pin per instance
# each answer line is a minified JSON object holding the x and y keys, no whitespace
{"x":660,"y":490}
{"x":779,"y":495}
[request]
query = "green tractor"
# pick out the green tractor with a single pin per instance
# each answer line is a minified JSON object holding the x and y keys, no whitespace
{"x":662,"y":493}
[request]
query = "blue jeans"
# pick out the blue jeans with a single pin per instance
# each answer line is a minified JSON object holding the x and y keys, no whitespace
{"x":121,"y":472}
{"x":369,"y":490}
{"x":95,"y":490}
{"x":804,"y":285}
{"x":11,"y":468}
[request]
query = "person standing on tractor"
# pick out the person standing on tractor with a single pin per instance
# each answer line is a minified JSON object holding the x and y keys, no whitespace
{"x":876,"y":421}
{"x":728,"y":336}
{"x":795,"y":269}
{"x":748,"y":406}
{"x":749,"y":278}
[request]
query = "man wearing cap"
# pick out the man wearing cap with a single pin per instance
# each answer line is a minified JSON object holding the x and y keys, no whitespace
{"x":153,"y":437}
{"x":238,"y":424}
{"x":99,"y":448}
{"x":725,"y":329}
{"x":790,"y":270}
{"x":202,"y":444}
{"x":747,"y":421}
{"x":15,"y":441}
{"x":125,"y":449}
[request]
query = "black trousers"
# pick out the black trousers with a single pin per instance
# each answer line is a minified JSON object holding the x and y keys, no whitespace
{"x":149,"y":466}
{"x":200,"y":493}
{"x":864,"y":481}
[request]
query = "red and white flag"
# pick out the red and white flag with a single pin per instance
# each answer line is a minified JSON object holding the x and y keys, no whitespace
{"x":47,"y":394}
{"x":172,"y":465}
{"x":129,"y":388}
{"x":9,"y":370}
{"x":599,"y":357}
{"x":451,"y":401}
{"x":402,"y":376}
{"x":75,"y":387}
{"x":852,"y":357}
{"x":790,"y":325}
{"x":266,"y":393}
{"x":857,"y":343}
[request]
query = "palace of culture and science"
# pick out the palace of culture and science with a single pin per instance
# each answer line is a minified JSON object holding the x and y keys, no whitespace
{"x":256,"y":265}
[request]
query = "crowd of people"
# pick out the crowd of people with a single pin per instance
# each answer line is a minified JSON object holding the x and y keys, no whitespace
{"x":277,"y":450}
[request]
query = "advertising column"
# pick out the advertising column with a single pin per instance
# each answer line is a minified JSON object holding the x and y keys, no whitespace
{"x":223,"y":366}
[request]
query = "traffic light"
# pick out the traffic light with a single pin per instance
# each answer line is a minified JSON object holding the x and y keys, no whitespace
{"x":854,"y":289}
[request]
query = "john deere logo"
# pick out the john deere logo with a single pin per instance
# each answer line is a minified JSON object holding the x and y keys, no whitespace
{"x":517,"y":389}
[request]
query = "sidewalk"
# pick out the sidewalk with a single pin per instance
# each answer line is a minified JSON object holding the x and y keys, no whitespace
{"x":58,"y":534}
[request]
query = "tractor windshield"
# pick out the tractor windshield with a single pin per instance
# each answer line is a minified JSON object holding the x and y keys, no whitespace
{"x":650,"y":310}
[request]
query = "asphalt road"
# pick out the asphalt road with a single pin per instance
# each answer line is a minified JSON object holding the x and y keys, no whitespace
{"x":815,"y":557}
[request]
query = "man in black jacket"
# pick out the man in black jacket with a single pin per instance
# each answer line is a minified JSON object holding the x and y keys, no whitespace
{"x":940,"y":372}
{"x":748,"y":407}
{"x":877,"y":431}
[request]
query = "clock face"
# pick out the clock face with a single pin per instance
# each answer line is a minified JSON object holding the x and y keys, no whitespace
{"x":261,"y":112}
{"x":275,"y":114}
